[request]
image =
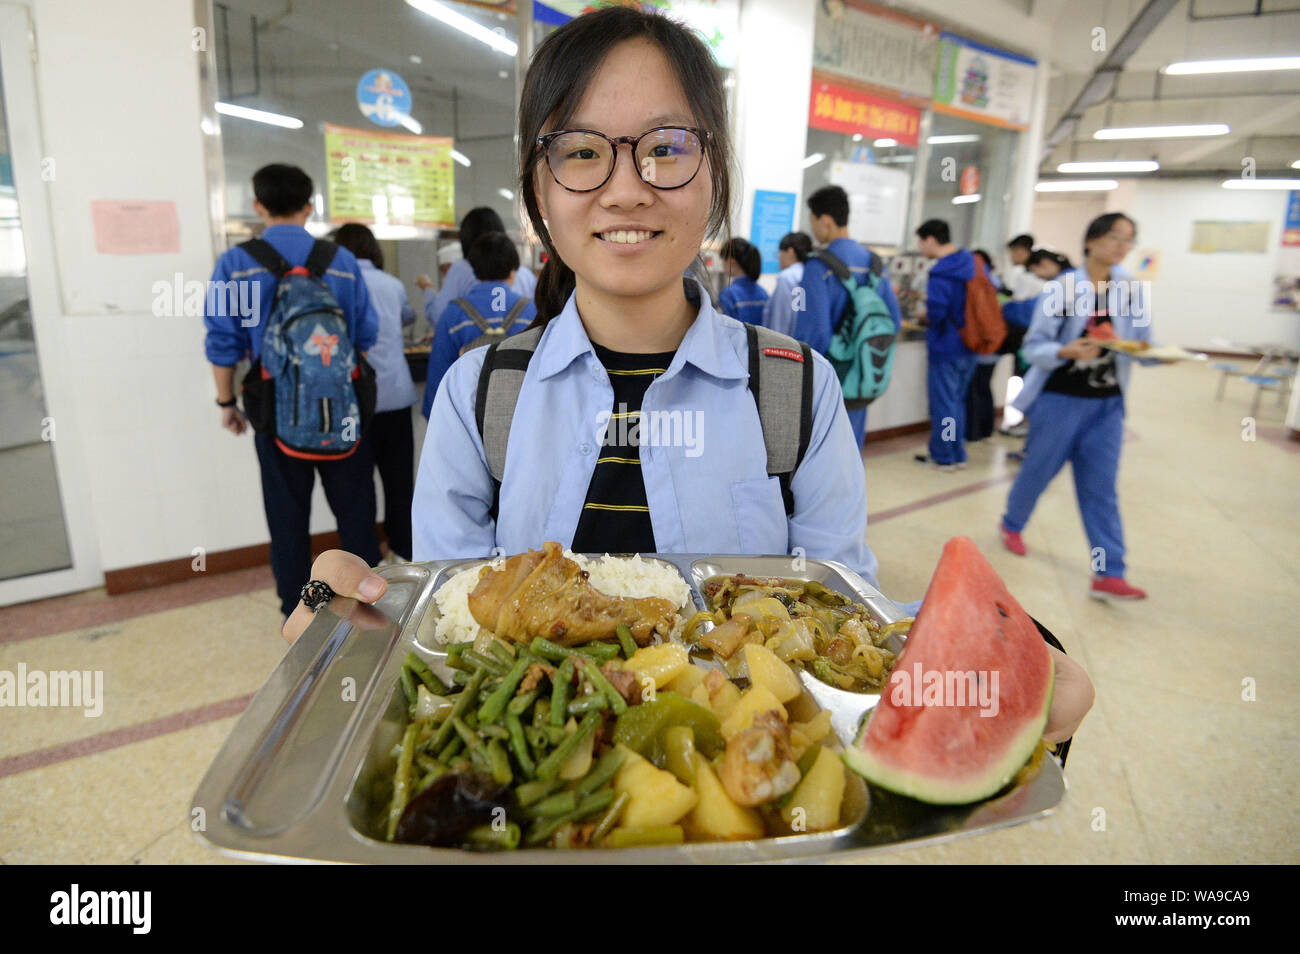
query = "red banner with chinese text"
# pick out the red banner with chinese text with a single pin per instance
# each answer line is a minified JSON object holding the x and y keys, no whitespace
{"x":844,"y":109}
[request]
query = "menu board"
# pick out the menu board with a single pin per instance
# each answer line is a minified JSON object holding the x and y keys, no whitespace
{"x":982,"y":83}
{"x":388,"y":178}
{"x":877,"y":201}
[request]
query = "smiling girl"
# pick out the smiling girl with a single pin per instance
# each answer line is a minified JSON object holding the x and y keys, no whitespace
{"x":625,"y":171}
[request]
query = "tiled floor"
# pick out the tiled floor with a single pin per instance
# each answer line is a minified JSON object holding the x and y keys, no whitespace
{"x":1172,"y":765}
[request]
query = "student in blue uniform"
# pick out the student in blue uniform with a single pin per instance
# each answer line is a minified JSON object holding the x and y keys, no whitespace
{"x":950,"y":364}
{"x":792,"y":252}
{"x":283,"y":201}
{"x":825,"y":297}
{"x":460,"y":274}
{"x":1073,"y":396}
{"x":744,"y":299}
{"x":494,"y":260}
{"x":621,"y":222}
{"x":392,"y":443}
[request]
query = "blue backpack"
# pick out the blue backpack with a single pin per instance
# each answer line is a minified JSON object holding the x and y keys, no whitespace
{"x":311,"y":389}
{"x":862,"y":347}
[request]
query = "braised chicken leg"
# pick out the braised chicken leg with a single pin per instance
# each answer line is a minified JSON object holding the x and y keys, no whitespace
{"x":543,"y":593}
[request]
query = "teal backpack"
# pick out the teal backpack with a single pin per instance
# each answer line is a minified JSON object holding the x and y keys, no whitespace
{"x":862,"y":348}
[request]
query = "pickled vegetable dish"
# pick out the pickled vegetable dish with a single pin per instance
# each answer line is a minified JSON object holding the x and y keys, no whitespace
{"x":803,"y":622}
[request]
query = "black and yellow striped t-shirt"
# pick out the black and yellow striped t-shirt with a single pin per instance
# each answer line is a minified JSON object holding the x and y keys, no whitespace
{"x":615,"y":517}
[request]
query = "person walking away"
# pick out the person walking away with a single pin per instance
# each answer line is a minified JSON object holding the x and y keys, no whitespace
{"x":488,"y":312}
{"x":460,"y":274}
{"x":1074,"y":397}
{"x":826,"y":300}
{"x":744,"y":298}
{"x":950,"y":363}
{"x":792,"y":252}
{"x":390,"y":436}
{"x":283,"y":201}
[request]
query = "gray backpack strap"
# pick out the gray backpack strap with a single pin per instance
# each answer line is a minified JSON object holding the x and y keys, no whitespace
{"x":781,"y":379}
{"x":474,"y":316}
{"x":513,"y":314}
{"x":499,"y":384}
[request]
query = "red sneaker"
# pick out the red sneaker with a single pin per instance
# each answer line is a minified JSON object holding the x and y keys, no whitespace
{"x":1104,"y":587}
{"x":1013,"y":542}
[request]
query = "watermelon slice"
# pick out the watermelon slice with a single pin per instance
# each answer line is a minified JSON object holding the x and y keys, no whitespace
{"x":968,"y":699}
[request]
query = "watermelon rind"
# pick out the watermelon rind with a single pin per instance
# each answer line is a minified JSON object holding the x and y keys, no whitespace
{"x":946,"y":791}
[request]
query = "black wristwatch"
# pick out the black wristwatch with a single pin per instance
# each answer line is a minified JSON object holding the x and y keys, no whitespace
{"x":231,"y":403}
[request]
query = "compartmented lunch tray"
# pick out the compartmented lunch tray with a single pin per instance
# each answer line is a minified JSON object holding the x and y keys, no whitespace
{"x":301,"y":777}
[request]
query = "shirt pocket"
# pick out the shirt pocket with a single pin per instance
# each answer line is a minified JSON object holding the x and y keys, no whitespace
{"x":759,"y":513}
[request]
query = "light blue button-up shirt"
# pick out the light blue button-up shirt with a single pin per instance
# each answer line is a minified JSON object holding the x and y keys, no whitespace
{"x":393,"y":383}
{"x":709,"y":493}
{"x":778,"y":313}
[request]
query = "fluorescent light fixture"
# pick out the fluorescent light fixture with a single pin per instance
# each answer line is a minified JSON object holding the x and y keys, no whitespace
{"x":812,"y":160}
{"x":965,"y":199}
{"x":1077,"y":185}
{"x":440,"y":11}
{"x":857,"y":137}
{"x":1296,"y":164}
{"x":1162,"y":132}
{"x":1246,"y":65}
{"x":407,"y":122}
{"x":1261,"y":183}
{"x":461,"y":158}
{"x":259,"y":116}
{"x":1118,"y":165}
{"x":897,"y":159}
{"x":506,"y":194}
{"x":941,"y":140}
{"x":885,"y":143}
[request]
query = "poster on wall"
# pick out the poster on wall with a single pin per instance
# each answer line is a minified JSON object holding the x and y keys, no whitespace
{"x":982,"y":83}
{"x":384,"y":98}
{"x":875,"y":45}
{"x":877,"y":201}
{"x":383,"y":178}
{"x":843,"y":109}
{"x":1286,"y":278}
{"x":1211,"y":237}
{"x":773,"y":218}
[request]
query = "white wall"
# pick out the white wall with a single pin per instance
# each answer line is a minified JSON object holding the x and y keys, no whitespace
{"x":120,"y":113}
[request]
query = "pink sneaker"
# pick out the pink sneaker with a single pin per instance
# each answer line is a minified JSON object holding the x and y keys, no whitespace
{"x":1104,"y":587}
{"x":1013,"y":542}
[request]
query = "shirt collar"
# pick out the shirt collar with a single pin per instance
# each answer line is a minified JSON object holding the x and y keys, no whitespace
{"x":707,"y":345}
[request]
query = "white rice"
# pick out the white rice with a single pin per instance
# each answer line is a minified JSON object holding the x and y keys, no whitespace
{"x":614,"y":576}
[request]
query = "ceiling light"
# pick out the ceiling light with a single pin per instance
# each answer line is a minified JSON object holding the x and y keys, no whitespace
{"x":1245,"y":65}
{"x":1162,"y":132}
{"x":1261,"y":183}
{"x":1118,"y":165}
{"x":1296,"y":164}
{"x":506,"y":194}
{"x":964,"y":199}
{"x":885,"y":143}
{"x":406,"y":122}
{"x":1076,"y":185}
{"x":815,"y":158}
{"x":461,"y":158}
{"x":938,"y":140}
{"x":259,"y":116}
{"x":440,"y":11}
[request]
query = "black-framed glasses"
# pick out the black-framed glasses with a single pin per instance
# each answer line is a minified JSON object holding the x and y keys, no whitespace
{"x":582,"y":160}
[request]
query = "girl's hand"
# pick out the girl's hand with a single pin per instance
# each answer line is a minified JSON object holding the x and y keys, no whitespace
{"x":1080,"y":349}
{"x":348,"y":576}
{"x":424,"y":282}
{"x":1071,"y":699}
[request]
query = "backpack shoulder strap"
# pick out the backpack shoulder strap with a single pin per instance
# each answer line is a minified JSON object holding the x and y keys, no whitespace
{"x":474,"y":314}
{"x":499,"y":384}
{"x":264,"y":253}
{"x":319,"y":258}
{"x":513,"y":314}
{"x":833,"y":262}
{"x":781,"y":380}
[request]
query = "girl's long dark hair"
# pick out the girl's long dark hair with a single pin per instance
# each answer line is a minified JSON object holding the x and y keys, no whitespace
{"x":558,"y":77}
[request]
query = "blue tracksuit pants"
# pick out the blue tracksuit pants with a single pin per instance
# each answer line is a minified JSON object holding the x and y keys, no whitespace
{"x":858,"y":421}
{"x":947,"y":381}
{"x":1087,"y":432}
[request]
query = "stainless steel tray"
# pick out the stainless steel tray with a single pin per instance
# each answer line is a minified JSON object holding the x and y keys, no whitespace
{"x":300,"y":779}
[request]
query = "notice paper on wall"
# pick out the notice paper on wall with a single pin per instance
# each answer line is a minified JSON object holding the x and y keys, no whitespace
{"x":136,"y":227}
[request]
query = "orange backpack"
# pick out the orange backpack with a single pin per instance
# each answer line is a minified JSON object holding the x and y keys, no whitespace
{"x":985,"y":328}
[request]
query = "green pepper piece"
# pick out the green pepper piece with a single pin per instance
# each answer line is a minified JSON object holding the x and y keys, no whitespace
{"x":641,"y":728}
